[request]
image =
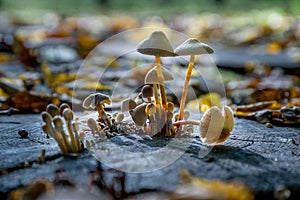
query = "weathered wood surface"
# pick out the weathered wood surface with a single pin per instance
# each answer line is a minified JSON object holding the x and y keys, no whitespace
{"x":264,"y":159}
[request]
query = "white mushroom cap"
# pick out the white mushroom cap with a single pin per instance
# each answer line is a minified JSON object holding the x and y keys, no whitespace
{"x":128,"y":104}
{"x":156,"y":44}
{"x":216,"y":125}
{"x":192,"y":46}
{"x":152,"y":78}
{"x":229,"y":119}
{"x":93,"y":99}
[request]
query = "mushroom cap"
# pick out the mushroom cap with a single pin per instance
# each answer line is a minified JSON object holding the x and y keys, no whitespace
{"x":58,"y":122}
{"x":91,"y":100}
{"x":92,"y":124}
{"x":170,"y":106}
{"x":147,"y":91}
{"x":68,"y":114}
{"x":139,"y":116}
{"x":216,"y":125}
{"x":47,"y":118}
{"x":47,"y":129}
{"x":152,"y":78}
{"x":211,"y":125}
{"x":52,"y":110}
{"x":119,"y":118}
{"x":62,"y":107}
{"x":128,"y":104}
{"x":150,"y":109}
{"x":156,"y":44}
{"x":192,"y":46}
{"x":229,"y":119}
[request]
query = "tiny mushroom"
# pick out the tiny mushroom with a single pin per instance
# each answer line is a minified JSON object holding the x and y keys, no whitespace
{"x":139,"y":115}
{"x":58,"y":123}
{"x":128,"y":105}
{"x":69,"y":116}
{"x":54,"y":127}
{"x":147,"y":92}
{"x":152,"y":78}
{"x":158,"y":45}
{"x":190,"y":47}
{"x":52,"y":110}
{"x":93,"y":125}
{"x":97,"y":100}
{"x":216,"y":125}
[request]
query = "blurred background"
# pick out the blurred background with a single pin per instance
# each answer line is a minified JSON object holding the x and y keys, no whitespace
{"x":43,"y":44}
{"x":144,"y":7}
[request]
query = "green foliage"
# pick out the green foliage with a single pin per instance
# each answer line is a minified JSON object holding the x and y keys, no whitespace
{"x":145,"y":7}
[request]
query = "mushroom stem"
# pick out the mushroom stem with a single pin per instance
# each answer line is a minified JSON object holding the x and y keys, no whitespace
{"x":103,"y":115}
{"x":161,"y":83}
{"x":183,"y":122}
{"x":185,"y":87}
{"x":156,"y":94}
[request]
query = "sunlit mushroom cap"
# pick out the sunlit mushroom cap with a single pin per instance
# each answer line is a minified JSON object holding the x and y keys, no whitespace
{"x":93,"y":99}
{"x":127,"y":105}
{"x":156,"y":44}
{"x":192,"y":46}
{"x":139,"y":116}
{"x":68,"y":114}
{"x":216,"y":125}
{"x":150,"y":109}
{"x":152,"y":78}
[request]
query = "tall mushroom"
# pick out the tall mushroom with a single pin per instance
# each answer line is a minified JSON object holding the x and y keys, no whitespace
{"x":97,"y":100}
{"x":190,"y":47}
{"x":158,"y":45}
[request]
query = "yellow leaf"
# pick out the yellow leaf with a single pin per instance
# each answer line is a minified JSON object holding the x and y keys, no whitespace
{"x":197,"y":188}
{"x":204,"y":102}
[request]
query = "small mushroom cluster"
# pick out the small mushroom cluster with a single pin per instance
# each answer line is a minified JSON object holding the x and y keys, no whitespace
{"x":105,"y":121}
{"x":60,"y":124}
{"x":151,"y":110}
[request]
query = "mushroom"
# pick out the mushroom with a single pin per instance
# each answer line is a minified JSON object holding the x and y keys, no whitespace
{"x":62,"y":107}
{"x":158,"y":45}
{"x":147,"y":92}
{"x":58,"y":138}
{"x":75,"y":127}
{"x":58,"y":123}
{"x":52,"y":110}
{"x":152,"y":78}
{"x":190,"y":47}
{"x":69,"y":116}
{"x":93,"y":125}
{"x":139,"y":115}
{"x":119,"y":118}
{"x":128,"y":105}
{"x":97,"y":100}
{"x":216,"y":125}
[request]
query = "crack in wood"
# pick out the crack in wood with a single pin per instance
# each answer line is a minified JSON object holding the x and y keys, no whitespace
{"x":28,"y":164}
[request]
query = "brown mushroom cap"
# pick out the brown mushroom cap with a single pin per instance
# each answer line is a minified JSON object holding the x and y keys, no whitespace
{"x":91,"y":100}
{"x":52,"y":110}
{"x":156,"y":44}
{"x":147,"y":91}
{"x":192,"y":46}
{"x":152,"y":78}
